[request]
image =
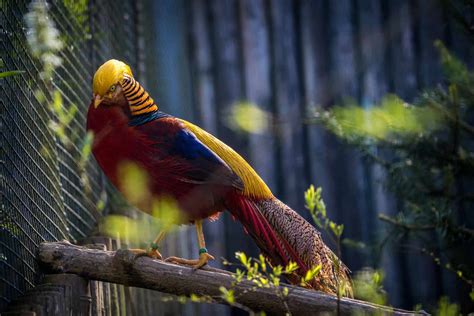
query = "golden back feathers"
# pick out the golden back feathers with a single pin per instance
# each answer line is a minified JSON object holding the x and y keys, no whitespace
{"x":254,"y":186}
{"x":111,"y":72}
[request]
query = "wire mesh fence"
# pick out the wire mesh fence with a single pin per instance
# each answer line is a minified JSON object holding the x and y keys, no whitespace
{"x":47,"y":192}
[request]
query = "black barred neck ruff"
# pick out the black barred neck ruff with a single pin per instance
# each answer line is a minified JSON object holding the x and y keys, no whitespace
{"x":138,"y":99}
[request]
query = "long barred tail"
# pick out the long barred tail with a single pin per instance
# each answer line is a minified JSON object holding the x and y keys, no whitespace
{"x":283,"y":236}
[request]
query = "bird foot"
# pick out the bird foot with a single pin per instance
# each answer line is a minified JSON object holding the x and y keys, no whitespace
{"x":151,"y":252}
{"x":195,"y":263}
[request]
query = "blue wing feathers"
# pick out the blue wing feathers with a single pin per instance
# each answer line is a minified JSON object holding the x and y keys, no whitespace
{"x":190,"y":147}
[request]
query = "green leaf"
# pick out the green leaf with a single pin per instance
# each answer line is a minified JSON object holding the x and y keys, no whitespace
{"x":311,"y":273}
{"x":355,"y":244}
{"x":263,"y":264}
{"x":239,"y":274}
{"x":454,"y":69}
{"x":309,"y":197}
{"x":277,"y":270}
{"x":195,"y":298}
{"x":376,"y":277}
{"x":10,"y":73}
{"x":227,"y":295}
{"x":291,"y":267}
{"x":87,"y":147}
{"x":242,"y":257}
{"x":263,"y":281}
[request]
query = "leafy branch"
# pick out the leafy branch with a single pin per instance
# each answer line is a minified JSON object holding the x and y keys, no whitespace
{"x":317,"y":208}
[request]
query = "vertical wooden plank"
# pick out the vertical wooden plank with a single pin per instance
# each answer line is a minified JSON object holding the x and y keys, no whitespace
{"x":402,"y":81}
{"x":347,"y":196}
{"x":374,"y":86}
{"x":115,"y":288}
{"x":77,"y":288}
{"x":202,"y":64}
{"x":431,"y":27}
{"x":402,"y":50}
{"x":227,"y":67}
{"x":314,"y":58}
{"x":122,"y":290}
{"x":106,"y":287}
{"x":372,"y":51}
{"x":288,"y":102}
{"x":97,"y":289}
{"x":427,"y":19}
{"x":172,"y":69}
{"x":375,"y":78}
{"x":458,"y":39}
{"x":257,"y":84}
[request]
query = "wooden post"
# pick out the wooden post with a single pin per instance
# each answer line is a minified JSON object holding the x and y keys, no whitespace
{"x":58,"y":294}
{"x":121,"y":267}
{"x":96,"y":288}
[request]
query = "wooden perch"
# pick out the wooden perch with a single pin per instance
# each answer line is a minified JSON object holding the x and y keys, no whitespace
{"x":120,"y":267}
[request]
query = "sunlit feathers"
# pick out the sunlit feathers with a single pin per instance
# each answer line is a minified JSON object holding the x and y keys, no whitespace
{"x":253,"y":184}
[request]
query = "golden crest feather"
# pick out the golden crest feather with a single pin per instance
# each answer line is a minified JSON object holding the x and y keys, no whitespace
{"x":110,"y":73}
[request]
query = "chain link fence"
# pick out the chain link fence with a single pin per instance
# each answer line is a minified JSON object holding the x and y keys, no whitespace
{"x":49,"y":191}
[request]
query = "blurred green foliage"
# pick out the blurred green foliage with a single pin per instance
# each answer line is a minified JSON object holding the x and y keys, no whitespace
{"x":10,"y":73}
{"x":368,"y":286}
{"x":78,"y":11}
{"x":45,"y":44}
{"x":262,"y":274}
{"x":390,"y":120}
{"x":445,"y":308}
{"x":43,"y":38}
{"x":163,"y":211}
{"x":248,"y":117}
{"x":317,"y":208}
{"x":427,"y":152}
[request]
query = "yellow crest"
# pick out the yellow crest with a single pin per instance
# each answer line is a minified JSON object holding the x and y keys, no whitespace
{"x":110,"y":73}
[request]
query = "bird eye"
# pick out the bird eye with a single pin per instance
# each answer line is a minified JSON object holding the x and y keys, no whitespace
{"x":112,"y":88}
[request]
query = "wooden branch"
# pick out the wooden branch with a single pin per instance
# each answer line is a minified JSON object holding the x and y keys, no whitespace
{"x":120,"y":267}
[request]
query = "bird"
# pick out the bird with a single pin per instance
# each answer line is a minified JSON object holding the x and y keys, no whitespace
{"x":204,"y":176}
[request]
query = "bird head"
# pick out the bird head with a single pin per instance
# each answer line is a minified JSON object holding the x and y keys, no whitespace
{"x":107,"y":80}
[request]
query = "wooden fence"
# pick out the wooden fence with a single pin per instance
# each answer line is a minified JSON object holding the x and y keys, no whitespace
{"x":287,"y":57}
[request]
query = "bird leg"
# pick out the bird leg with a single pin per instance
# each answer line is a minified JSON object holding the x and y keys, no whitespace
{"x":204,"y":256}
{"x":152,"y":251}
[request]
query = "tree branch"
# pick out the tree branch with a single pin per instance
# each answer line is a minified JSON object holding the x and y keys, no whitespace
{"x":395,"y":222}
{"x":120,"y":267}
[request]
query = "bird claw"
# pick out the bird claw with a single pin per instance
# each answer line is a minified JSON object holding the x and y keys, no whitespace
{"x":194,"y":263}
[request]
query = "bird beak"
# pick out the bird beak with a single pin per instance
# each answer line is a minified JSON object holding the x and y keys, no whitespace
{"x":97,"y":100}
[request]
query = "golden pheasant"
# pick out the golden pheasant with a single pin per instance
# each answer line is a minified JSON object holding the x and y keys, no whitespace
{"x":204,"y":176}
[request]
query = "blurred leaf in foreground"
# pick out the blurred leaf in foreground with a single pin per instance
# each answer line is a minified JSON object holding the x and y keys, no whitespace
{"x":248,"y":117}
{"x":391,"y":118}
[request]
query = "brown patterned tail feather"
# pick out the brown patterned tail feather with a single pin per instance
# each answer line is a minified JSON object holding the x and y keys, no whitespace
{"x":284,"y":236}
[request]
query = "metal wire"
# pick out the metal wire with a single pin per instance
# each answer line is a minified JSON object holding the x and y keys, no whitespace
{"x":45,"y":194}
